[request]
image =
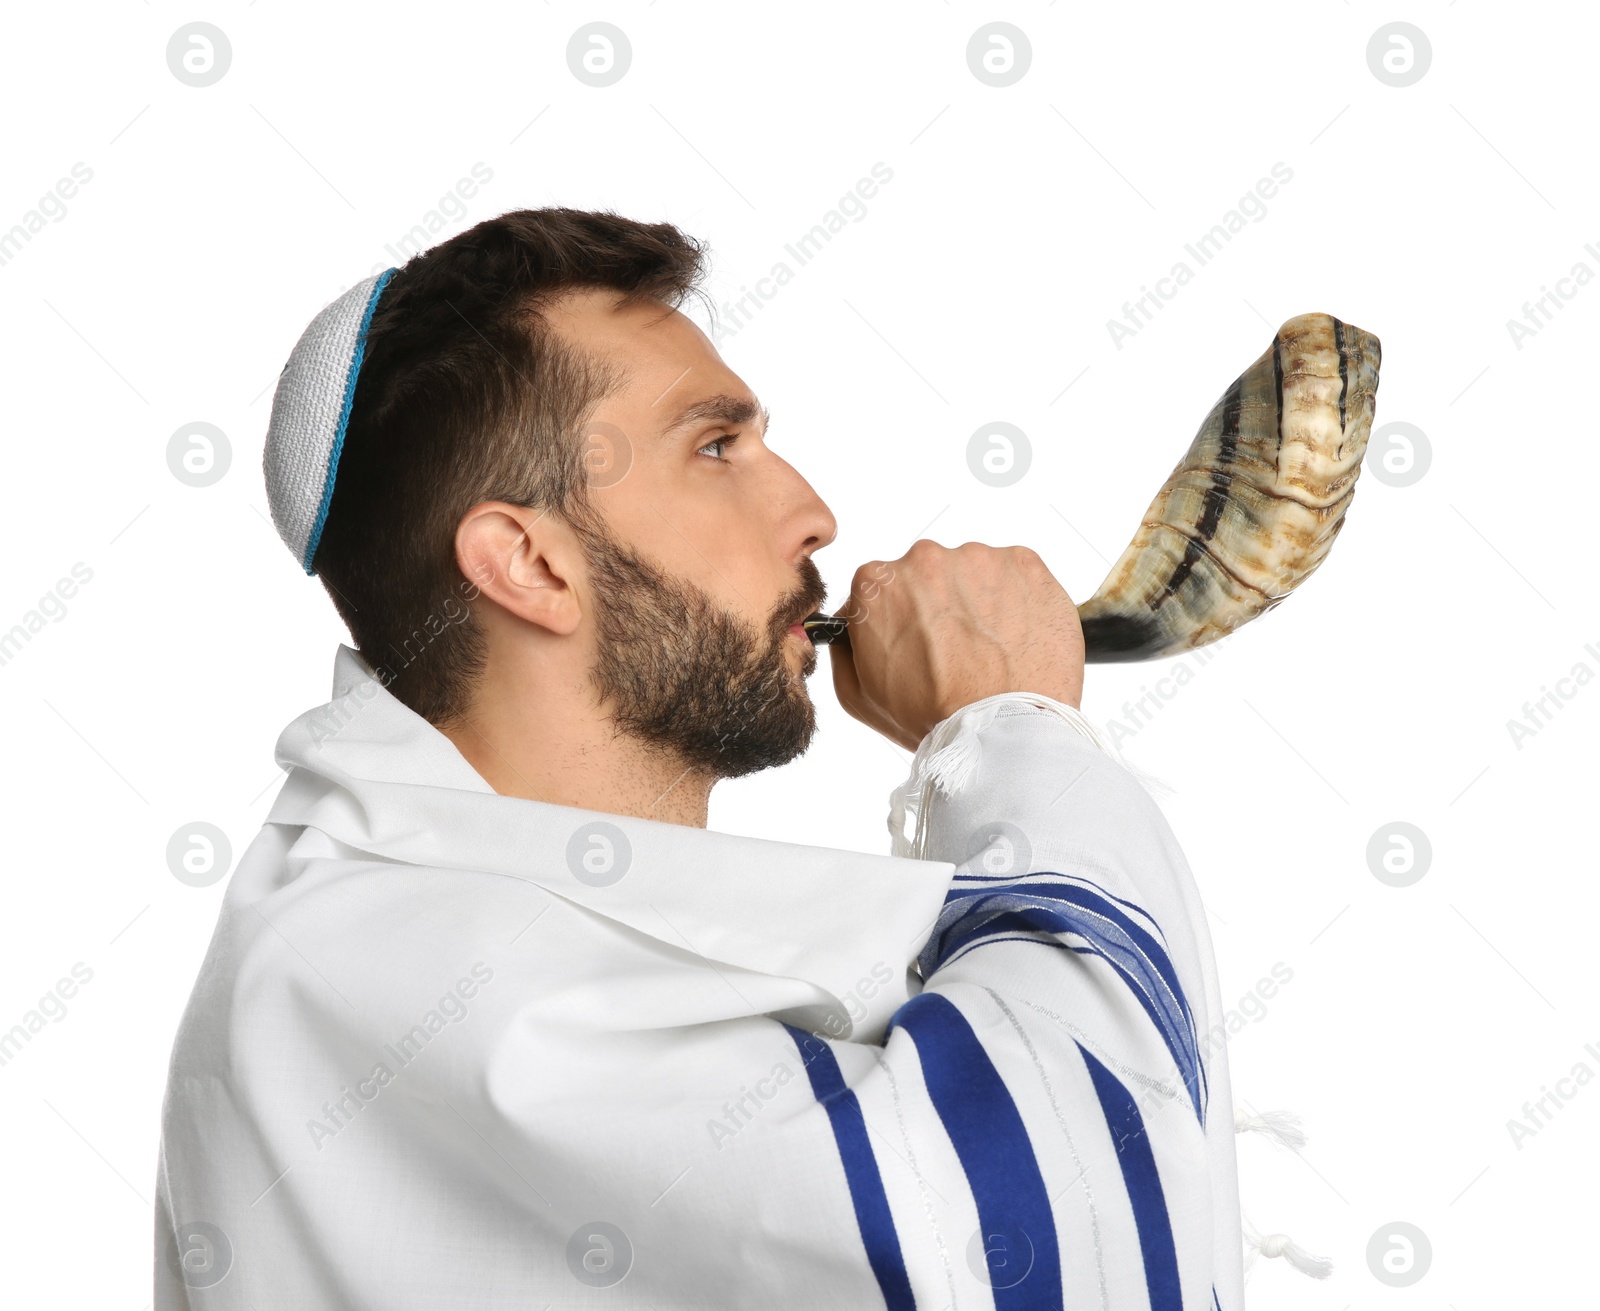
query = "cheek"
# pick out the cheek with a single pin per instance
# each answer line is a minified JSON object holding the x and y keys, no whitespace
{"x":713,"y":532}
{"x":735,"y":562}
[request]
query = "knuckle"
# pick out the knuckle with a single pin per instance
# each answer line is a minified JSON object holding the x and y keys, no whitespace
{"x":866,"y":574}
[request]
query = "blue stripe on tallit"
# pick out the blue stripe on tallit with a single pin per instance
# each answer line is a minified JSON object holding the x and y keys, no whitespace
{"x":860,"y":1169}
{"x":991,"y":1141}
{"x":1143,"y":1184}
{"x":1053,"y":905}
{"x":1090,"y":897}
{"x":1088,"y":883}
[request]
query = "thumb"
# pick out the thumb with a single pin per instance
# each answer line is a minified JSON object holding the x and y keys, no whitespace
{"x":846,"y":681}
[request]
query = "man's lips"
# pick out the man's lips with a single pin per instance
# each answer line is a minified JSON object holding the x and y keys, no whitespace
{"x":798,"y":628}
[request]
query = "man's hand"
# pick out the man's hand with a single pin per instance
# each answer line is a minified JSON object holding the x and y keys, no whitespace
{"x":938,"y":629}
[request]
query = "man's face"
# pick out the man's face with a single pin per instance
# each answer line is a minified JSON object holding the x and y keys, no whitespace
{"x":703,"y":569}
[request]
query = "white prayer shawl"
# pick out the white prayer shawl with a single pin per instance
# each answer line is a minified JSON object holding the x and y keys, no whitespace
{"x":440,"y":1054}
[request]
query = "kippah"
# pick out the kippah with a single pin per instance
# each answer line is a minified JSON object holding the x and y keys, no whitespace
{"x":310,"y":411}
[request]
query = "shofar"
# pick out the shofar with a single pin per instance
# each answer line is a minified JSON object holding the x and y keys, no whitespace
{"x":1253,"y":508}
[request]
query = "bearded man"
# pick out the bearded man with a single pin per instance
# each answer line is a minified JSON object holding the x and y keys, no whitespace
{"x":491,"y":1020}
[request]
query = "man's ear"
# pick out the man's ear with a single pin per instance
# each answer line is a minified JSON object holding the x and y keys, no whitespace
{"x":526,"y":561}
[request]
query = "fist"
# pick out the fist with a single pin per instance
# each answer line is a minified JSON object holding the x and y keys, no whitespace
{"x":940,"y":628}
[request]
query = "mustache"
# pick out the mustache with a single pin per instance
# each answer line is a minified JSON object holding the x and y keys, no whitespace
{"x":806,"y":597}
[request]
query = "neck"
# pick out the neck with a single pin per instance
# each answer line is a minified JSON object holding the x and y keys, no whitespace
{"x":523,"y":746}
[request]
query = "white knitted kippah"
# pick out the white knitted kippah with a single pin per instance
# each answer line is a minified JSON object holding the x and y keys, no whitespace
{"x":310,"y":411}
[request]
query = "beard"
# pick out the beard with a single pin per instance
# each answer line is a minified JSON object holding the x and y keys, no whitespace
{"x":683,"y":674}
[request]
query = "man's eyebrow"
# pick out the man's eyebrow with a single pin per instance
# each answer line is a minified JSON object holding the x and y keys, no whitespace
{"x":718,"y":409}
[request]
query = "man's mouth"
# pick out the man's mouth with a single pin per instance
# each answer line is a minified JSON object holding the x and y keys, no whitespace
{"x":796,"y":627}
{"x":802,"y":603}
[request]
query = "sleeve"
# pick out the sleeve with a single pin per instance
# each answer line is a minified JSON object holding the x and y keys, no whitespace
{"x":1048,"y":1087}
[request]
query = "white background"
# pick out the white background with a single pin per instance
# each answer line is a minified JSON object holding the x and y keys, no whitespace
{"x":977,"y":287}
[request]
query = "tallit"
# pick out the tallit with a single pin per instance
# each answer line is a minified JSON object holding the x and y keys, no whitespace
{"x":442,"y":1054}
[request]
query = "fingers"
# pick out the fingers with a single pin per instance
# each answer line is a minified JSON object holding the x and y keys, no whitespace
{"x":942,"y":627}
{"x":865,"y":587}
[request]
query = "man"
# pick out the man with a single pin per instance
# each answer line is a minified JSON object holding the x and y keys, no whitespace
{"x":491,"y":1020}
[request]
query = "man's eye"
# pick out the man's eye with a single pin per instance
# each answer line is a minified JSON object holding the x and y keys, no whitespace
{"x":720,"y":443}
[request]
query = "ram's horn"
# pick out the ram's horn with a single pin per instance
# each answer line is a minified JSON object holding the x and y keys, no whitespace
{"x":1252,"y":509}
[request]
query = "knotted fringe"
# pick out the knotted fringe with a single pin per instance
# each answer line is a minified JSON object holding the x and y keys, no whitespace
{"x":1318,"y":1267}
{"x":949,"y":756}
{"x":1280,"y":1126}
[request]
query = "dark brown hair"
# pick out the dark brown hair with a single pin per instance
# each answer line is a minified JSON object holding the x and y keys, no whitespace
{"x":466,"y":395}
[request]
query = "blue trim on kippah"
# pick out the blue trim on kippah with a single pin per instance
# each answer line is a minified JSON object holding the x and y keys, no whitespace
{"x":344,"y":420}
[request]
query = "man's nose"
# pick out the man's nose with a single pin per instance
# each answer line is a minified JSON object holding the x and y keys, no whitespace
{"x":812,"y":523}
{"x":823,"y":527}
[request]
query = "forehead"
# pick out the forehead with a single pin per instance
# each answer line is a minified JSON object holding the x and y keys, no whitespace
{"x":669,"y":363}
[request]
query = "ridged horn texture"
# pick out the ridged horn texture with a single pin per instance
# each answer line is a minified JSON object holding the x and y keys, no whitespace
{"x":1253,"y":508}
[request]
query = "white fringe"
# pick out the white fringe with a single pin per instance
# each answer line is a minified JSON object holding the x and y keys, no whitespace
{"x":1281,"y":1245}
{"x":1280,"y":1126}
{"x":948,"y":759}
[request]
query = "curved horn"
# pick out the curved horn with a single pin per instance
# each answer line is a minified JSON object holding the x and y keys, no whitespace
{"x":1252,"y":509}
